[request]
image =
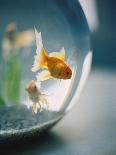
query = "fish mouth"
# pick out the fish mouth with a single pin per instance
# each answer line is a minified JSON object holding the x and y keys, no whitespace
{"x":70,"y":76}
{"x":67,"y":77}
{"x":27,"y":90}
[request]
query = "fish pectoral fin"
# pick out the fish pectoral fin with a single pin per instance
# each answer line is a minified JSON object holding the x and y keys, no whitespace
{"x":43,"y":99}
{"x":44,"y":75}
{"x":60,"y":55}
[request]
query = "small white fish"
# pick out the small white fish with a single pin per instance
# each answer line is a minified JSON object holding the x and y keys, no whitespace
{"x":36,"y":97}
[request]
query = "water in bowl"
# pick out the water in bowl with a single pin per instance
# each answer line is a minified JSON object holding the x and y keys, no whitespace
{"x":62,"y":24}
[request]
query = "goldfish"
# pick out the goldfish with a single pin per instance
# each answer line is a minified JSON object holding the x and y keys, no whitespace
{"x":53,"y":64}
{"x":36,"y":97}
{"x":15,"y":40}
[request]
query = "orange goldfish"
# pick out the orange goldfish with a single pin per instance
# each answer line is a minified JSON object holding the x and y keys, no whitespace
{"x":53,"y":62}
{"x":37,"y":99}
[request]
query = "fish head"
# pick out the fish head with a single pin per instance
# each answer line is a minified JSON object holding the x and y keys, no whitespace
{"x":66,"y":72}
{"x":31,"y":87}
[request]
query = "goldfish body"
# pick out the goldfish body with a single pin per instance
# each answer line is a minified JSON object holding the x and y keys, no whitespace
{"x":53,"y":62}
{"x":35,"y":96}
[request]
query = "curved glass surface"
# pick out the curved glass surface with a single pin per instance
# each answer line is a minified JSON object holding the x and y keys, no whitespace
{"x":62,"y":23}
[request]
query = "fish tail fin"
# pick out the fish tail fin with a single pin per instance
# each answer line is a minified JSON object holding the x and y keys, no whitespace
{"x":43,"y":58}
{"x":44,"y":101}
{"x":41,"y":55}
{"x":35,"y":107}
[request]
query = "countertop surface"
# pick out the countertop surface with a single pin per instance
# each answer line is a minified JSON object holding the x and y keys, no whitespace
{"x":88,"y":129}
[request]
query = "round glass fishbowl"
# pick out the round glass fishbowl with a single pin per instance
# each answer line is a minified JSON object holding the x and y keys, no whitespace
{"x":45,"y":59}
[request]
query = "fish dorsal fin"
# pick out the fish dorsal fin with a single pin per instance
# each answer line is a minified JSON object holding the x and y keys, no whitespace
{"x":44,"y":75}
{"x":38,"y":39}
{"x":60,"y":55}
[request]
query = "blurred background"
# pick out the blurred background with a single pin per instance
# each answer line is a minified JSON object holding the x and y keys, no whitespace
{"x":101,"y":16}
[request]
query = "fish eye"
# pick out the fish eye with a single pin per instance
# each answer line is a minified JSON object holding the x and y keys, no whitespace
{"x":34,"y":87}
{"x":67,"y":73}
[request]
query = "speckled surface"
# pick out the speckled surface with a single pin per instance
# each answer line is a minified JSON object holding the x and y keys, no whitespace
{"x":18,"y":122}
